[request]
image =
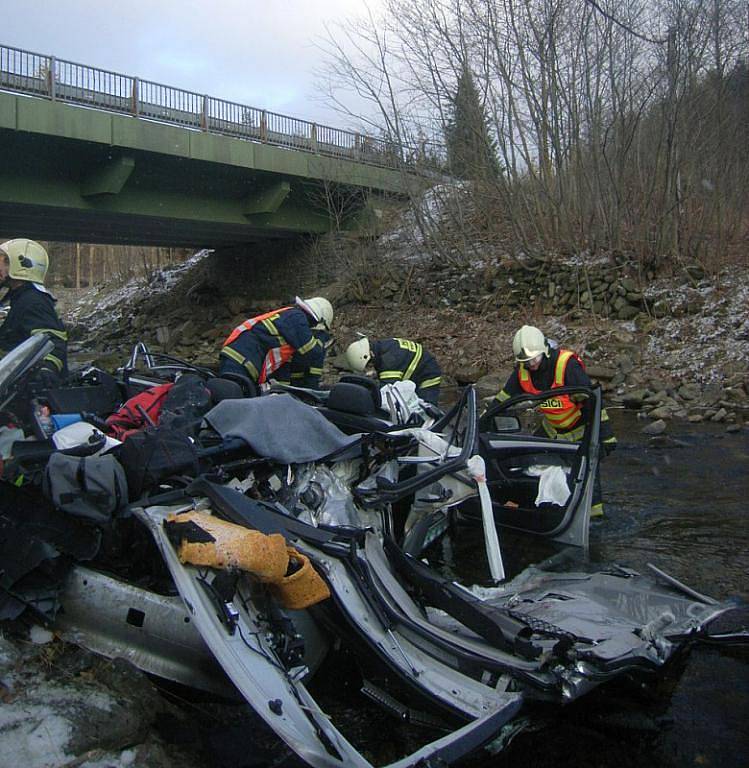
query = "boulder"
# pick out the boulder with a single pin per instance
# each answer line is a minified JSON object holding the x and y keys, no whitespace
{"x":635,"y":398}
{"x":657,"y":427}
{"x":663,"y":412}
{"x":490,"y":384}
{"x":689,"y":391}
{"x":600,"y":372}
{"x":628,"y":312}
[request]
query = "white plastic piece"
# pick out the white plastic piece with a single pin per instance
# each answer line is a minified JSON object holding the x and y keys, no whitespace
{"x":477,"y":470}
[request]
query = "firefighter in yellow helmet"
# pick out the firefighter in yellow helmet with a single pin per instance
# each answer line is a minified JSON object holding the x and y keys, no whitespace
{"x":23,"y":269}
{"x":541,"y":367}
{"x":397,"y":360}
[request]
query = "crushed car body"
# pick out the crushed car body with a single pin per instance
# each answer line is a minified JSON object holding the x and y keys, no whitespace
{"x":251,"y":539}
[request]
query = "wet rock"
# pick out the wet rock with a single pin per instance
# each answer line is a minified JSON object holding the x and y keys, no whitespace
{"x":720,"y":415}
{"x":735,"y":427}
{"x":657,"y":427}
{"x":696,"y":418}
{"x":660,"y":413}
{"x":635,"y":398}
{"x":665,"y":441}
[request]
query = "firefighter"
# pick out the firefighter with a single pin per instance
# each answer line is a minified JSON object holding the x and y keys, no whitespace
{"x":542,"y":366}
{"x":23,"y":269}
{"x":261,"y":346}
{"x":298,"y":372}
{"x":397,"y":360}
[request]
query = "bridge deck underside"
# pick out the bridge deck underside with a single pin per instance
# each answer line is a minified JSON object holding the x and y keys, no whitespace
{"x":68,"y":173}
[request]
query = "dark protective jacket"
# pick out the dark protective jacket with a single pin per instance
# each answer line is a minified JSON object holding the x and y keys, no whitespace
{"x":552,"y":372}
{"x":260,"y":346}
{"x":299,"y":372}
{"x":404,"y":360}
{"x":32,"y":312}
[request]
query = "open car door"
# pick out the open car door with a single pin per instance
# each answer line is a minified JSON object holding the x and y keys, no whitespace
{"x":537,"y":484}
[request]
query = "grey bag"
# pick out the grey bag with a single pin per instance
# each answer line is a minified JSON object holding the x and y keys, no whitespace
{"x":93,"y":487}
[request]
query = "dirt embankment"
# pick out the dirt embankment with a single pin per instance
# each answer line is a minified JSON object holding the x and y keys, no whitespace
{"x":677,"y":347}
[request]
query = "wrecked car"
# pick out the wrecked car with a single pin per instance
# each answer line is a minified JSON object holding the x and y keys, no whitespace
{"x":266,"y":537}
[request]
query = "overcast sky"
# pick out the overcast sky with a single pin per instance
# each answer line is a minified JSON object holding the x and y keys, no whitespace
{"x":257,"y":52}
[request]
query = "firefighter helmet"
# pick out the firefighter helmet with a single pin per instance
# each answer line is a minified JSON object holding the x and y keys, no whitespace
{"x":528,"y":343}
{"x":358,"y":354}
{"x":319,"y":308}
{"x":27,"y":260}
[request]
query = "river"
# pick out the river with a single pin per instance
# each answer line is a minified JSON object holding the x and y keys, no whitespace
{"x":681,"y":502}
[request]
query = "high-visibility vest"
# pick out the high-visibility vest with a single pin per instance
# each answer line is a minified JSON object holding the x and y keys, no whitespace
{"x":275,"y":356}
{"x":561,"y":412}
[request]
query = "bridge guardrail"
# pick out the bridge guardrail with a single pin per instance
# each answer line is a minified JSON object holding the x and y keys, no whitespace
{"x":60,"y":80}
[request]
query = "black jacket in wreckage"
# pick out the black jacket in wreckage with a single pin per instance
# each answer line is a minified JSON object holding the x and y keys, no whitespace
{"x":404,"y":360}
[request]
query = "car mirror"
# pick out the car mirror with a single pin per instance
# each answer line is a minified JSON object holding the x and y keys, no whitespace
{"x":506,"y":424}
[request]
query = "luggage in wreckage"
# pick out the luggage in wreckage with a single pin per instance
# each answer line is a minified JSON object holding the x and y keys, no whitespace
{"x":92,"y":487}
{"x":138,"y":412}
{"x":180,"y":405}
{"x":154,"y":455}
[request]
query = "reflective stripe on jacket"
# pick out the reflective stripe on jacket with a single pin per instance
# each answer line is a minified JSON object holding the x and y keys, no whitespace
{"x":405,"y":360}
{"x":263,"y":344}
{"x":560,"y":411}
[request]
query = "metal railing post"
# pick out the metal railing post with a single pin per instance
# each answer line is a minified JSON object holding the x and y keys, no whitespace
{"x":37,"y":74}
{"x":51,"y":78}
{"x":263,"y":126}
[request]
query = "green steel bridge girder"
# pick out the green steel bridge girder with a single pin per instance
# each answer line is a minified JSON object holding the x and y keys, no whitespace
{"x":78,"y":174}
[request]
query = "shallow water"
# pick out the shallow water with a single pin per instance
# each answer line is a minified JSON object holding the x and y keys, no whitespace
{"x":680,"y":502}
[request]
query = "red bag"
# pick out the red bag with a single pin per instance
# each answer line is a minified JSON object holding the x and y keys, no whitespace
{"x":138,"y":412}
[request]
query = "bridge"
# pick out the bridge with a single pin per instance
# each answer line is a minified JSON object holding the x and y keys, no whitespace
{"x":88,"y":155}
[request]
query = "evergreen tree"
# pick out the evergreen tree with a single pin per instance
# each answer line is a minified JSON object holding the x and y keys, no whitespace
{"x":471,"y":151}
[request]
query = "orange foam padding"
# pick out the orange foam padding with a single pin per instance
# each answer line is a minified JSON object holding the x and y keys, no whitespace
{"x":233,"y":546}
{"x":302,"y":588}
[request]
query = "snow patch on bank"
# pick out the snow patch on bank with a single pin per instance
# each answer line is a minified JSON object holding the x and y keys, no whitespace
{"x":710,"y":330}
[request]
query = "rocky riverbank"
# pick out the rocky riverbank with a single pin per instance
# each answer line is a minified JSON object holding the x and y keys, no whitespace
{"x":676,"y":348}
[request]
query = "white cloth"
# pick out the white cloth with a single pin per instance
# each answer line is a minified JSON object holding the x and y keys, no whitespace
{"x":79,"y":433}
{"x":552,"y":485}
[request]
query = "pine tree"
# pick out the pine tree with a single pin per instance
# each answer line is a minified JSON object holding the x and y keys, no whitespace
{"x":471,"y":151}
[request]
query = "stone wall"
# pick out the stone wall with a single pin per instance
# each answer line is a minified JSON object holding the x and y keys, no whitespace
{"x":605,"y":288}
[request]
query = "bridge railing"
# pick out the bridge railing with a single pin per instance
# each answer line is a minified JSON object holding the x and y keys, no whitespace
{"x":60,"y":80}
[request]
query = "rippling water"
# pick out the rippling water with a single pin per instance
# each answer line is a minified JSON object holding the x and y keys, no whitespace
{"x":680,"y":502}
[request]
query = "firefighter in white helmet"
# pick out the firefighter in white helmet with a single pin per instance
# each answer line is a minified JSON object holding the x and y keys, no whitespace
{"x":271,"y":345}
{"x":397,"y":360}
{"x":23,"y":269}
{"x":541,"y":366}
